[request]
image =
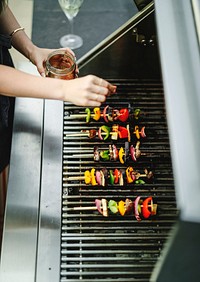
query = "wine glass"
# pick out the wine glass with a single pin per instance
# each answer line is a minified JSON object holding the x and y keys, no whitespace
{"x":71,"y":9}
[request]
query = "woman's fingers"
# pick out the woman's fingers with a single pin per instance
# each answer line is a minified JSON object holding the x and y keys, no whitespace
{"x":103,"y":83}
{"x":102,"y":89}
{"x":98,"y":89}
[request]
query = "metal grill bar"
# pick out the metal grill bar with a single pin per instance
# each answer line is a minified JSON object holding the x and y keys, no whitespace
{"x":116,"y":248}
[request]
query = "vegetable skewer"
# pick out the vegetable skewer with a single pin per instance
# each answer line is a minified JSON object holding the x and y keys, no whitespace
{"x":140,"y":208}
{"x":123,"y":154}
{"x":115,"y":132}
{"x":112,"y":176}
{"x":109,"y":114}
{"x":128,"y":152}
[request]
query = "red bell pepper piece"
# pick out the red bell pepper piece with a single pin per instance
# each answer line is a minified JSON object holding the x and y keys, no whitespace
{"x":123,"y":132}
{"x":145,"y":209}
{"x":116,"y":175}
{"x":123,"y":114}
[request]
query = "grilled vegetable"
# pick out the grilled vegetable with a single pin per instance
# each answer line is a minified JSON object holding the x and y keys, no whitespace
{"x":136,"y":113}
{"x":137,"y":208}
{"x":112,"y":205}
{"x":123,"y":115}
{"x":105,"y":155}
{"x":139,"y":133}
{"x":97,"y":114}
{"x":111,"y":177}
{"x":116,"y":175}
{"x":88,"y":112}
{"x":121,"y":155}
{"x":93,"y":177}
{"x":105,"y":129}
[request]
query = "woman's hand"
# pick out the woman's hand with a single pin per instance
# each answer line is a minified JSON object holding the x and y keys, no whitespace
{"x":39,"y":56}
{"x":88,"y":91}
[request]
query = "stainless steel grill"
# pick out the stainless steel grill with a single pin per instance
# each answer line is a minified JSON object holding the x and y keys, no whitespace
{"x":47,"y":216}
{"x":116,"y":248}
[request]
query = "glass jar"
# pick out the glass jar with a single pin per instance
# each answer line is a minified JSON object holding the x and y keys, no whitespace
{"x":60,"y":64}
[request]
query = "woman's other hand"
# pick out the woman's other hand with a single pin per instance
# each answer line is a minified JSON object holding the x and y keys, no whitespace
{"x":88,"y":91}
{"x":39,"y":56}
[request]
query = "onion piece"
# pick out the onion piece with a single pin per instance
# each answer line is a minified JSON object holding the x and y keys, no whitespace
{"x":115,"y":152}
{"x":136,"y":203}
{"x":99,"y":134}
{"x":98,"y":206}
{"x":132,"y":153}
{"x":98,"y":177}
{"x":96,"y":154}
{"x":128,"y":205}
{"x":105,"y":113}
{"x":105,"y":207}
{"x":142,"y":132}
{"x":103,"y":181}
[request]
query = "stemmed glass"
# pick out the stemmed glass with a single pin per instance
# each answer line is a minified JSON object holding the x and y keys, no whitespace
{"x":71,"y":9}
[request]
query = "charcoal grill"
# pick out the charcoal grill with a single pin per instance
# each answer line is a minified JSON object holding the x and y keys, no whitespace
{"x":50,"y":234}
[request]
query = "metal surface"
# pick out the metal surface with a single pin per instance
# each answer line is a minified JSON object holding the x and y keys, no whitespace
{"x":182,"y":84}
{"x":119,"y":56}
{"x":196,"y":11}
{"x":180,"y":257}
{"x":48,"y":255}
{"x":19,"y":246}
{"x":32,"y":222}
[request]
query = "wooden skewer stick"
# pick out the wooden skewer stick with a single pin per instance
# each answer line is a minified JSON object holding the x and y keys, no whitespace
{"x":71,"y":178}
{"x":74,"y":116}
{"x":86,"y":133}
{"x":92,"y":208}
{"x":81,"y":208}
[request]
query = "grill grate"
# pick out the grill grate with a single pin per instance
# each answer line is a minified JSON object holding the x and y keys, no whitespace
{"x":116,"y":248}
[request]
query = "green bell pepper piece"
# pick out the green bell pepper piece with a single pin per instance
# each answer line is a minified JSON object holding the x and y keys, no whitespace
{"x":107,"y":130}
{"x":105,"y":155}
{"x":112,"y":178}
{"x":88,"y":112}
{"x":112,"y":205}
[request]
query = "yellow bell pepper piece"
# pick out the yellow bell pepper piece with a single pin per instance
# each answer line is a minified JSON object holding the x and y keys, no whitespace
{"x":128,"y":174}
{"x":137,"y":132}
{"x":87,"y":175}
{"x":121,"y":155}
{"x":93,"y":178}
{"x":97,"y":114}
{"x":121,"y":208}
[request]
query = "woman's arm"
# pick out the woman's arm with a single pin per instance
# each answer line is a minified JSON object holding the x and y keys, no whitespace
{"x":20,"y":41}
{"x":86,"y":91}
